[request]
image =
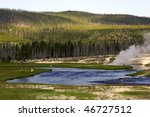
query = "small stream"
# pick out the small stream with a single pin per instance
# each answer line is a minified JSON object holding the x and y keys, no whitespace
{"x":75,"y":76}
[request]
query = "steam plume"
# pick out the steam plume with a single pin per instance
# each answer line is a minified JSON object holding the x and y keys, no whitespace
{"x":125,"y":57}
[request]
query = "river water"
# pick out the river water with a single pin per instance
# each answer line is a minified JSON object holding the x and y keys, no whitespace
{"x":74,"y":76}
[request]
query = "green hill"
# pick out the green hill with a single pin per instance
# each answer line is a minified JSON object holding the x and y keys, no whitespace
{"x":7,"y":38}
{"x":37,"y":35}
{"x":18,"y":16}
{"x":105,"y":18}
{"x":121,"y":19}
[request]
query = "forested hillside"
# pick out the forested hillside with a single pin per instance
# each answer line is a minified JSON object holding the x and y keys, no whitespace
{"x":33,"y":35}
{"x":106,"y":18}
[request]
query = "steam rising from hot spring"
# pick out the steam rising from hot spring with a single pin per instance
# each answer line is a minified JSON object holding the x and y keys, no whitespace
{"x":135,"y":54}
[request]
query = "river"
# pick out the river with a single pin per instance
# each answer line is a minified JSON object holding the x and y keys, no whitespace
{"x":75,"y":76}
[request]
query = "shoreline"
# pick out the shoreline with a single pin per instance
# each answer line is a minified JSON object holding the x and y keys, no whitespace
{"x":84,"y":59}
{"x":29,"y":91}
{"x":11,"y":71}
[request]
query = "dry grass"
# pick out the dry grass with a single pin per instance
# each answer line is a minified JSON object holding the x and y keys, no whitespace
{"x":62,"y":92}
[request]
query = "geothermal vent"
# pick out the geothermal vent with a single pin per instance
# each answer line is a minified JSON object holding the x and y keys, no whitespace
{"x":135,"y":54}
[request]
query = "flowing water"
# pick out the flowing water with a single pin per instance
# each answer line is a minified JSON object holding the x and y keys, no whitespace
{"x":74,"y":76}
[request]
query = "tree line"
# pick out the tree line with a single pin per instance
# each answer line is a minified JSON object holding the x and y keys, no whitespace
{"x":54,"y":49}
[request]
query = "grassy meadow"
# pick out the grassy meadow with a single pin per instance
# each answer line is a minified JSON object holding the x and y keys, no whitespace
{"x":7,"y":38}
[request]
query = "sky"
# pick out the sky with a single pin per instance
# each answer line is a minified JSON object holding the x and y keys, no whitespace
{"x":132,"y":7}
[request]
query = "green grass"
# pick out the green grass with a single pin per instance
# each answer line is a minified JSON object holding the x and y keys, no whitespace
{"x":95,"y":27}
{"x":105,"y":26}
{"x":32,"y":94}
{"x":6,"y":38}
{"x":17,"y":64}
{"x":14,"y":94}
{"x":140,"y":88}
{"x":79,"y":95}
{"x":137,"y":94}
{"x":12,"y":71}
{"x":145,"y":73}
{"x":136,"y":74}
{"x":91,"y":66}
{"x":17,"y":91}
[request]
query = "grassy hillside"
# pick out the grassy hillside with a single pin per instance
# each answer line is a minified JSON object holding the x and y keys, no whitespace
{"x":67,"y":34}
{"x":70,"y":17}
{"x":18,"y":16}
{"x":7,"y":38}
{"x":120,"y":19}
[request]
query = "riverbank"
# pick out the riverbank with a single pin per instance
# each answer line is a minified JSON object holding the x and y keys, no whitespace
{"x":143,"y":73}
{"x":11,"y":91}
{"x":61,"y":92}
{"x":10,"y":71}
{"x":90,"y":66}
{"x":84,"y":59}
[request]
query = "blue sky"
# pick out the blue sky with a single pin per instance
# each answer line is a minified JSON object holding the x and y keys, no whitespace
{"x":133,"y":7}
